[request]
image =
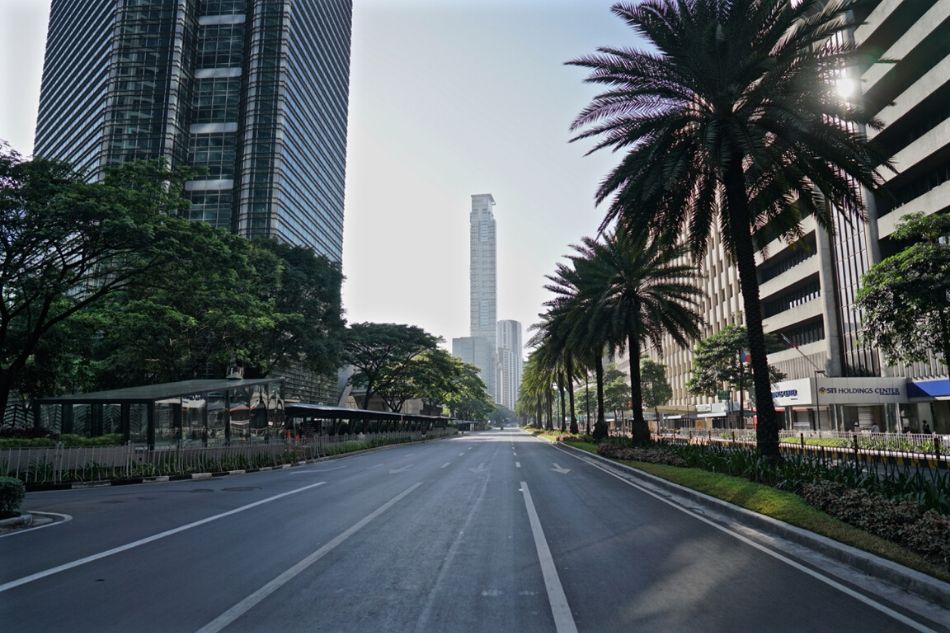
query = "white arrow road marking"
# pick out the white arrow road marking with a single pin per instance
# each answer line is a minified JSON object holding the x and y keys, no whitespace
{"x":255,"y":598}
{"x":479,"y":469}
{"x":560,"y":609}
{"x":558,"y":469}
{"x":393,"y":471}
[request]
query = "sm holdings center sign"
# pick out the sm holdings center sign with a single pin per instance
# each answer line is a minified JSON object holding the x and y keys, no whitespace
{"x":853,"y":391}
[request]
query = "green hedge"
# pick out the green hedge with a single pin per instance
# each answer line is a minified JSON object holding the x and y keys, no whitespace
{"x":11,"y":495}
{"x":69,"y":440}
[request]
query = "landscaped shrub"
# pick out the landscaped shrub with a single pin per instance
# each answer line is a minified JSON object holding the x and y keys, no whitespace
{"x":638,"y":454}
{"x":72,"y":440}
{"x":904,"y":522}
{"x":26,"y":442}
{"x":11,"y":495}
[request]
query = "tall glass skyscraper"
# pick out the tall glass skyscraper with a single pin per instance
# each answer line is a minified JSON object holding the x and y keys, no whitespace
{"x":252,"y":94}
{"x":483,"y":287}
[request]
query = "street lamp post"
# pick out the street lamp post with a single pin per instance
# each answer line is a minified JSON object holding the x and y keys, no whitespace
{"x":817,"y":404}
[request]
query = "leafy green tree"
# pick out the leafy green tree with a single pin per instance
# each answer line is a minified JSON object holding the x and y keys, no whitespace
{"x":213,"y":305}
{"x":656,"y":388}
{"x":906,"y":297}
{"x":616,"y":391}
{"x":502,"y":414}
{"x":308,"y":312}
{"x":380,"y":352}
{"x":469,"y":400}
{"x":431,"y":376}
{"x":436,"y":374}
{"x":728,"y":116}
{"x":718,"y":362}
{"x":68,"y":244}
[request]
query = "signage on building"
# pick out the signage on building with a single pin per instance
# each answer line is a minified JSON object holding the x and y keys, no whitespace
{"x":790,"y":393}
{"x":862,"y":390}
{"x":848,"y":391}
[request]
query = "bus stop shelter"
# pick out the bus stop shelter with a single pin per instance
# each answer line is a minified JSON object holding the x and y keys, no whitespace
{"x":319,"y":419}
{"x":205,"y":412}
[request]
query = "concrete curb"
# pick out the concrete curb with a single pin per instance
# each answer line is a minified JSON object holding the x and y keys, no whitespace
{"x":913,"y":581}
{"x":201,"y":476}
{"x":24,"y":520}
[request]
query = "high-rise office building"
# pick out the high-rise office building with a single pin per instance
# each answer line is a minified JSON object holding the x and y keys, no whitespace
{"x":483,"y":288}
{"x":510,"y":362}
{"x":482,"y":270}
{"x":252,"y":94}
{"x":808,"y":287}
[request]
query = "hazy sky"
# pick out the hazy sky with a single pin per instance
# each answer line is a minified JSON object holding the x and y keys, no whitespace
{"x":447,"y":98}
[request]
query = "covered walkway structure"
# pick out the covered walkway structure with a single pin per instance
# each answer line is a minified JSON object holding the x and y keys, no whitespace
{"x":316,"y":419}
{"x":189,"y":412}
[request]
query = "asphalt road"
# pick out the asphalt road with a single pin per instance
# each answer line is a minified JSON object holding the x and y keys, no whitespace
{"x":494,"y":531}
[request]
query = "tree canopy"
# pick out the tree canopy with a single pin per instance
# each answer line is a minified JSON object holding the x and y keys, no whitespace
{"x":718,"y":362}
{"x":68,"y":244}
{"x":381,"y":352}
{"x":905,"y":298}
{"x":656,"y":389}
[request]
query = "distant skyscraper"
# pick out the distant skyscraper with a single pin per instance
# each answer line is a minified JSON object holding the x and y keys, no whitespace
{"x":253,"y":93}
{"x":482,"y":269}
{"x":483,"y":285}
{"x":510,"y":362}
{"x":477,"y":351}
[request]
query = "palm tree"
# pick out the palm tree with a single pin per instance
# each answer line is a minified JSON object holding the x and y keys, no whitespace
{"x":735,"y":120}
{"x":550,"y":341}
{"x":650,"y":292}
{"x":578,"y":287}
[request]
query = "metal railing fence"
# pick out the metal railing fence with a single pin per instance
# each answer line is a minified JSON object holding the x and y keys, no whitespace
{"x":56,"y":465}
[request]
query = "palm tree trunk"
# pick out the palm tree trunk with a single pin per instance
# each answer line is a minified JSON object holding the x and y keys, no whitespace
{"x":587,"y":400}
{"x":560,"y":392}
{"x":570,"y":392}
{"x":600,"y":428}
{"x":766,"y":432}
{"x":550,"y":426}
{"x":639,"y":429}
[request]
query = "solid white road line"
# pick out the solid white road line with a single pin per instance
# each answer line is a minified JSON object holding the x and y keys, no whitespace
{"x":445,"y":465}
{"x":255,"y":598}
{"x":144,"y":541}
{"x":917,"y":626}
{"x":560,"y":609}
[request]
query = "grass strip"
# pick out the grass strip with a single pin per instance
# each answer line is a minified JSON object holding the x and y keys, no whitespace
{"x":781,"y":505}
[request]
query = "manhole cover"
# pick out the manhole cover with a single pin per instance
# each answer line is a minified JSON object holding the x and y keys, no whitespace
{"x":241,"y":488}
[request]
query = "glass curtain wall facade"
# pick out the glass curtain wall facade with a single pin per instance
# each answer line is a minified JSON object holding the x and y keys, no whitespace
{"x":252,"y":94}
